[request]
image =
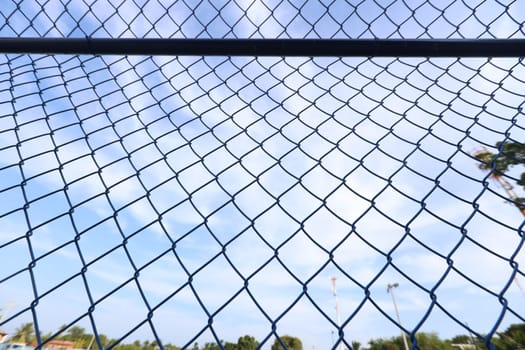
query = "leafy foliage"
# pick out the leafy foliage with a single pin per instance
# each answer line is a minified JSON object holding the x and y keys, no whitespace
{"x":291,"y":343}
{"x":426,"y":341}
{"x":247,"y":342}
{"x":24,"y":334}
{"x":78,"y":335}
{"x":395,"y":343}
{"x":512,"y":338}
{"x":211,"y":346}
{"x":355,"y":345}
{"x":431,"y":341}
{"x":510,"y":154}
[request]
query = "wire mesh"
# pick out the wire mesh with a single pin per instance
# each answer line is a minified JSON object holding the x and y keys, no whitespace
{"x":198,"y":199}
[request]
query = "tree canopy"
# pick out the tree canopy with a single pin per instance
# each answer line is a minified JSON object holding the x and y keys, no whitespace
{"x":24,"y":334}
{"x":247,"y":342}
{"x":511,"y":154}
{"x":512,"y":338}
{"x":291,"y":343}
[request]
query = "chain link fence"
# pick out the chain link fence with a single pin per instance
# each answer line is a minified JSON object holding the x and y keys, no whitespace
{"x":198,"y":199}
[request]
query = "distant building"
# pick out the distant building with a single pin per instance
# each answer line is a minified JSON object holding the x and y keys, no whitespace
{"x":60,"y":345}
{"x":464,"y":346}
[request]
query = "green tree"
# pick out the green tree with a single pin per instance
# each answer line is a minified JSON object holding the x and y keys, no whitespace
{"x":133,"y":346}
{"x":512,"y":338}
{"x":149,"y":345}
{"x":356,"y":345}
{"x":76,"y":332}
{"x":508,"y":155}
{"x":291,"y":343}
{"x":104,"y":339}
{"x":78,"y":335}
{"x":211,"y":346}
{"x":247,"y":342}
{"x":171,"y":347}
{"x":230,"y":346}
{"x":460,"y":339}
{"x":467,"y":339}
{"x":383,"y":344}
{"x":400,"y":344}
{"x":431,"y":341}
{"x":512,"y":153}
{"x":24,"y":334}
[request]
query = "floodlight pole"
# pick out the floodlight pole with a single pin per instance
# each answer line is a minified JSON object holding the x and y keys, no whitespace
{"x":334,"y":289}
{"x":390,"y":289}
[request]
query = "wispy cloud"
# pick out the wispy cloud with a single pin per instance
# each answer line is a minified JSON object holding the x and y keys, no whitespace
{"x":259,"y":161}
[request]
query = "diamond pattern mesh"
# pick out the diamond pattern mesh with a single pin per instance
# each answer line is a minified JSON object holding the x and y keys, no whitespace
{"x":185,"y":199}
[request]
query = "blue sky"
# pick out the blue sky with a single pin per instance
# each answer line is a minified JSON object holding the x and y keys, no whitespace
{"x":254,"y":153}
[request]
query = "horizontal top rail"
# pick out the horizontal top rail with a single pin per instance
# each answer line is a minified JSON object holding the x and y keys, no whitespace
{"x":269,"y":47}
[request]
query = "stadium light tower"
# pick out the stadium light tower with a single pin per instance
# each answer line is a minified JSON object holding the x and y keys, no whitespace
{"x":334,"y":289}
{"x":390,"y":289}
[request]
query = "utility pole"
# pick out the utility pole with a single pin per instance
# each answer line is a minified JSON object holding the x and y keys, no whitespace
{"x":334,"y":289}
{"x":390,"y":289}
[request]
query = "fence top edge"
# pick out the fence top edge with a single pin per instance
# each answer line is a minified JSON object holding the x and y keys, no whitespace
{"x":267,"y":47}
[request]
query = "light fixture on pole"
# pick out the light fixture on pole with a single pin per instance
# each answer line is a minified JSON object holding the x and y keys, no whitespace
{"x":390,"y":289}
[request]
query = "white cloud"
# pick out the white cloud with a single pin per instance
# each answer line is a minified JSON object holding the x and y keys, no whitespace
{"x":276,"y":203}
